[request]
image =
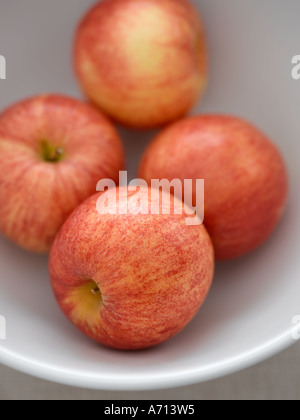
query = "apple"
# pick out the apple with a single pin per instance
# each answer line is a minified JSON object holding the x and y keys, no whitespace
{"x":143,"y":62}
{"x":53,"y":152}
{"x":246,"y":182}
{"x":130,"y":280}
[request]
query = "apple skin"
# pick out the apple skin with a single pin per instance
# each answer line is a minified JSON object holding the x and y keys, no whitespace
{"x":37,"y":196}
{"x":143,"y":62}
{"x":154,"y":273}
{"x":246,"y":182}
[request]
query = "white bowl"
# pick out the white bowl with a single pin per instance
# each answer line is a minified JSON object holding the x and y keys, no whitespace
{"x":248,"y":316}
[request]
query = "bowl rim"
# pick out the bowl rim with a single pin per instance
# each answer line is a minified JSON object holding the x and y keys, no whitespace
{"x":183,"y":377}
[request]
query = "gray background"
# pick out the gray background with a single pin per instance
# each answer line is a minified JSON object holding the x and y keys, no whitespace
{"x":276,"y":379}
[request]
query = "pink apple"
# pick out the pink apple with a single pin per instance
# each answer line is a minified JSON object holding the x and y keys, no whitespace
{"x":246,"y":180}
{"x":53,"y":152}
{"x":131,"y":281}
{"x":143,"y":62}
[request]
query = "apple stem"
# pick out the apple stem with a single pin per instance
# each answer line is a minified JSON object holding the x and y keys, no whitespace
{"x":95,"y":291}
{"x":50,"y":153}
{"x":57,"y":153}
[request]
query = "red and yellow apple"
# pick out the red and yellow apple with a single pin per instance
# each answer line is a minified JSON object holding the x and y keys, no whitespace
{"x":143,"y":62}
{"x":53,"y":152}
{"x":131,"y":280}
{"x":246,"y":181}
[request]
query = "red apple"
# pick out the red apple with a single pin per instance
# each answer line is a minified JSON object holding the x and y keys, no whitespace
{"x":245,"y":177}
{"x":53,"y":152}
{"x":143,"y":62}
{"x":131,"y":281}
